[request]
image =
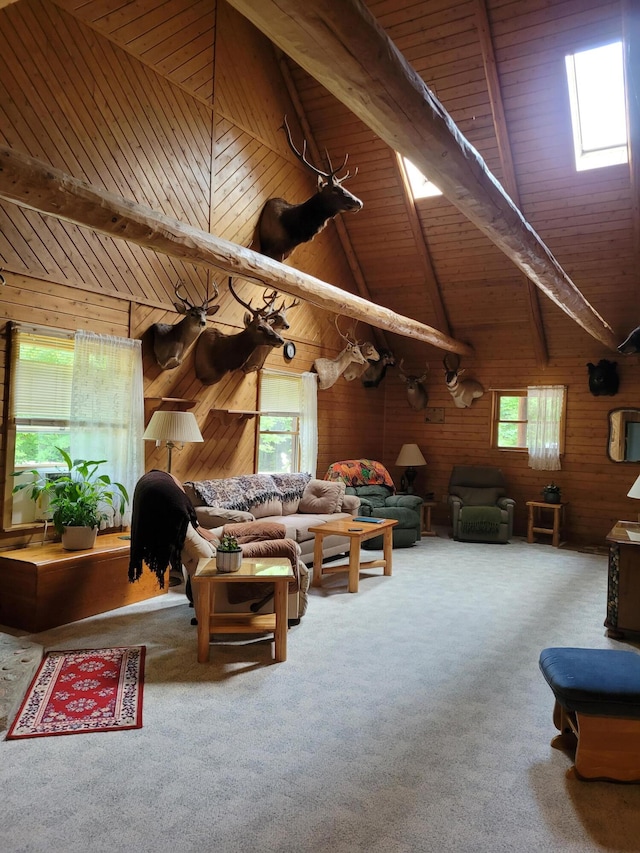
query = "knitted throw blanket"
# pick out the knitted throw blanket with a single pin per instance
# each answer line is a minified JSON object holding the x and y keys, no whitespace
{"x":160,"y":515}
{"x":480,"y":519}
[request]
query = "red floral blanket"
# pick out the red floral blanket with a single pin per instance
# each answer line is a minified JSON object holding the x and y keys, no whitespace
{"x":360,"y":472}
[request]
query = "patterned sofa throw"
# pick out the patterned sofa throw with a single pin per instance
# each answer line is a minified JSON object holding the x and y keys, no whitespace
{"x":360,"y":472}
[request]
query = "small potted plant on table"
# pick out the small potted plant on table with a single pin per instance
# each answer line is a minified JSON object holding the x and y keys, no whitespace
{"x":79,"y":499}
{"x":228,"y":554}
{"x":551,"y":493}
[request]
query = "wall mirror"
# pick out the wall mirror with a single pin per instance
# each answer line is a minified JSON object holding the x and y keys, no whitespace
{"x":624,"y":435}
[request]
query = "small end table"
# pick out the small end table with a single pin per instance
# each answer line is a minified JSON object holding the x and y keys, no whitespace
{"x":273,"y":570}
{"x":425,"y":518}
{"x":536,"y":510}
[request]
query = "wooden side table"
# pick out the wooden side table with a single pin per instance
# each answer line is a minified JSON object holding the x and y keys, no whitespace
{"x":425,"y":518}
{"x":536,"y":521}
{"x":275,"y":570}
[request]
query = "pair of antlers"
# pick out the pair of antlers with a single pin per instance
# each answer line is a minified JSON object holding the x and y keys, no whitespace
{"x":302,"y":156}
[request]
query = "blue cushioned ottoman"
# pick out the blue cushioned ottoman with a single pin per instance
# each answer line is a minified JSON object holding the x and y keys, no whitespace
{"x":597,"y":693}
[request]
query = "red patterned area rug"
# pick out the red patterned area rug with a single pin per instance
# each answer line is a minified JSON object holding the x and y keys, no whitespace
{"x":83,"y":690}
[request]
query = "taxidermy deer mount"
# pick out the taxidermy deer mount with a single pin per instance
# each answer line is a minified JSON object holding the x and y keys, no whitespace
{"x":355,"y":370}
{"x":465,"y":392}
{"x":217,"y":354}
{"x":417,"y":395}
{"x":329,"y":370}
{"x":277,"y":319}
{"x":376,"y":370}
{"x":282,"y":226}
{"x":171,"y":341}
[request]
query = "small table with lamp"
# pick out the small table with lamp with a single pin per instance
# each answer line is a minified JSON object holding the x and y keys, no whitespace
{"x":410,"y":458}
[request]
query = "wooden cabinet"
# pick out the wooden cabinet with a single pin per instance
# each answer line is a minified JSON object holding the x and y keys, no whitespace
{"x":43,"y":586}
{"x":623,"y":587}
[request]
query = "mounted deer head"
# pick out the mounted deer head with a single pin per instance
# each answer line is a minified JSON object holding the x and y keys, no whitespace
{"x":277,"y":319}
{"x":171,"y":342}
{"x":217,"y":353}
{"x":417,"y":395}
{"x":282,"y":226}
{"x":376,"y":370}
{"x":329,"y":370}
{"x":465,"y":392}
{"x":355,"y":370}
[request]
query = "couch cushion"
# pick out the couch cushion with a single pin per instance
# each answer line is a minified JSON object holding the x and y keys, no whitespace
{"x":297,"y":525}
{"x":216,"y":516}
{"x":321,"y":496}
{"x":268,"y":508}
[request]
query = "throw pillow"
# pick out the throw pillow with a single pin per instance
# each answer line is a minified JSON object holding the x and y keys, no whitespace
{"x":321,"y":497}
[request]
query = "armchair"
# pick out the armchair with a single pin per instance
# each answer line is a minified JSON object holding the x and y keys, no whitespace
{"x":480,"y":510}
{"x":372,"y":483}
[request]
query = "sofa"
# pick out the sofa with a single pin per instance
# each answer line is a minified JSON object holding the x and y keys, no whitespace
{"x":298,"y":501}
{"x":371,"y":483}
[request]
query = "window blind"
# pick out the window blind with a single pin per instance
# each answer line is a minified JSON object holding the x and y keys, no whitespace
{"x":280,"y":393}
{"x":41,"y":372}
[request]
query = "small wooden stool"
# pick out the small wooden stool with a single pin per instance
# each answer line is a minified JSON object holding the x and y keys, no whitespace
{"x":597,"y":710}
{"x":536,"y":508}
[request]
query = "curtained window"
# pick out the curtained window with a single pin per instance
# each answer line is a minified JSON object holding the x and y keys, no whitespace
{"x":83,"y":394}
{"x":288,"y":423}
{"x":545,"y":426}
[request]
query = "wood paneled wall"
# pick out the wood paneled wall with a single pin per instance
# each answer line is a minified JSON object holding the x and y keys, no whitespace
{"x":73,"y":97}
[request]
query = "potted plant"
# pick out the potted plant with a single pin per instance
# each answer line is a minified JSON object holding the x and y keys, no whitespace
{"x":78,"y":498}
{"x":228,"y":554}
{"x":551,"y":493}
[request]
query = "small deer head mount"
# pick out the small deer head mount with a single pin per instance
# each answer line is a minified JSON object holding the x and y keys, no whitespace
{"x":329,"y":370}
{"x":171,"y":341}
{"x":276,"y":316}
{"x":417,"y":395}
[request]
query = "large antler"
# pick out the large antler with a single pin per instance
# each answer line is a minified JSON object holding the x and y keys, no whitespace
{"x":302,"y":156}
{"x":255,"y":312}
{"x":185,"y":300}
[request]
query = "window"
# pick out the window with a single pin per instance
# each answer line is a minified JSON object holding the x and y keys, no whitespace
{"x":597,"y":100}
{"x":421,"y":187}
{"x":82,"y":393}
{"x":287,"y":423}
{"x":510,"y":420}
{"x":531,"y":420}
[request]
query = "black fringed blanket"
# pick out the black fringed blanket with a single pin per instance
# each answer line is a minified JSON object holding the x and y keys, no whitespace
{"x":161,"y":513}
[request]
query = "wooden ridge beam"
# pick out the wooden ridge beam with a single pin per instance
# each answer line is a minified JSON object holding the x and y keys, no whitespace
{"x":342,"y":46}
{"x":30,"y":183}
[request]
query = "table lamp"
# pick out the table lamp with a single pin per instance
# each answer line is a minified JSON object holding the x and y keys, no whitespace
{"x":173,"y":428}
{"x":634,"y":492}
{"x":411,"y":457}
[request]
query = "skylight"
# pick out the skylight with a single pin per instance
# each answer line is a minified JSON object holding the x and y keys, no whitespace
{"x":421,"y":187}
{"x":598,"y":115}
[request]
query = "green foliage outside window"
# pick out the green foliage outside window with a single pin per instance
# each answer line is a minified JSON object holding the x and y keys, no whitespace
{"x":512,"y":421}
{"x":278,"y":444}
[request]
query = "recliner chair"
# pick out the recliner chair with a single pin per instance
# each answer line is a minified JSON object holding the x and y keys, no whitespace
{"x":480,"y":510}
{"x":372,"y":483}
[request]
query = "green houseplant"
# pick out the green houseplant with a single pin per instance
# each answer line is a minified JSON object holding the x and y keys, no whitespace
{"x":228,"y":554}
{"x":551,"y":493}
{"x":78,"y":498}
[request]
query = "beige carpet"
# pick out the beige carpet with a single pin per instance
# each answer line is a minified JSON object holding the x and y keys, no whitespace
{"x":410,"y":717}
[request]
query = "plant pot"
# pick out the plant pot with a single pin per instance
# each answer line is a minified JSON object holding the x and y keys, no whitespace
{"x":551,"y":498}
{"x":79,"y":538}
{"x":228,"y":561}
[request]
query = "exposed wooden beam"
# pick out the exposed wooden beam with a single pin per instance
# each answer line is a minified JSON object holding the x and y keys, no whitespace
{"x":343,"y":47}
{"x":508,"y":169}
{"x":35,"y":185}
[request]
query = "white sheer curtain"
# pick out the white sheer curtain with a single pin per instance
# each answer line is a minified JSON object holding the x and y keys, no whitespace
{"x":309,"y":424}
{"x":107,"y":408}
{"x":545,"y":410}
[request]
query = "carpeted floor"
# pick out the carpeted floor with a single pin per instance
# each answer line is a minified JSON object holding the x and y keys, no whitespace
{"x":410,"y":717}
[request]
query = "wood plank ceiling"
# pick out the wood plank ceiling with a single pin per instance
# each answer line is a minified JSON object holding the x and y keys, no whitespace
{"x":498,"y":68}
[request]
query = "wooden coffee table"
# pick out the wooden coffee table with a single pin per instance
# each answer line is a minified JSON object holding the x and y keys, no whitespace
{"x":275,"y":570}
{"x":358,"y":532}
